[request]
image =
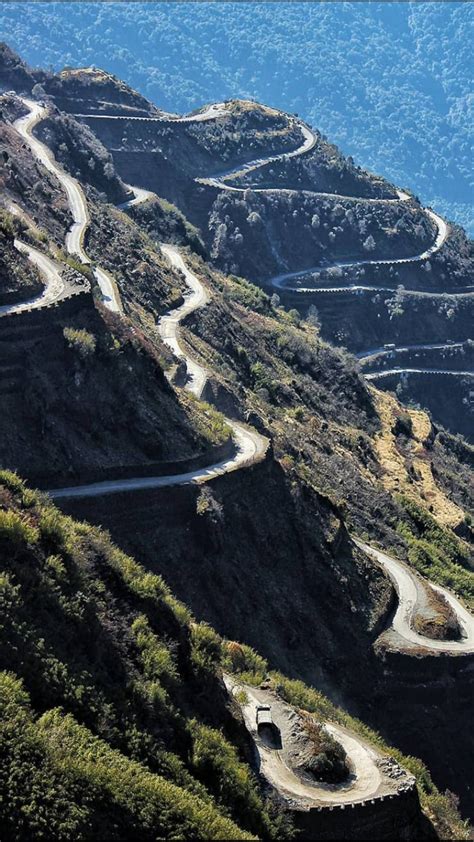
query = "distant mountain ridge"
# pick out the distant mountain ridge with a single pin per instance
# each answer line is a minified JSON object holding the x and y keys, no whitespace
{"x":388,"y":82}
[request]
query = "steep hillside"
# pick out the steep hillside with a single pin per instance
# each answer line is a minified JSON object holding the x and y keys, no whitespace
{"x":112,"y":705}
{"x":114,"y":714}
{"x":87,"y":396}
{"x":390,"y":84}
{"x":79,"y":151}
{"x":92,"y":89}
{"x":323,"y":417}
{"x":364,"y":258}
{"x":258,"y":235}
{"x":19,"y":280}
{"x":250,"y":514}
{"x":287,"y":210}
{"x":26,"y":182}
{"x":338,"y":458}
{"x":14,"y":73}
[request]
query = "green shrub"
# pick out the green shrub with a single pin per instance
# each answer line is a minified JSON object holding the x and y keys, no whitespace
{"x":37,"y":801}
{"x":206,"y":648}
{"x":80,"y":341}
{"x":7,"y":225}
{"x":12,"y":481}
{"x":294,"y":316}
{"x":434,"y":551}
{"x":247,"y":294}
{"x":260,"y":377}
{"x":83,"y":268}
{"x":135,"y":800}
{"x":53,"y":527}
{"x":243,"y":660}
{"x":215,"y":763}
{"x":157,"y":660}
{"x":242,"y":697}
{"x":15,"y":530}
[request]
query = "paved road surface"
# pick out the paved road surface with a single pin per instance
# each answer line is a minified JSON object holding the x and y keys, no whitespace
{"x":382,"y":351}
{"x":219,"y":179}
{"x":168,"y":326}
{"x":250,"y":445}
{"x":140,"y":195}
{"x":407,"y":584}
{"x":77,"y":201}
{"x":362,"y":785}
{"x":378,"y":375}
{"x":309,"y":140}
{"x":51,"y":273}
{"x":250,"y":448}
{"x":210,"y":112}
{"x":280,"y":281}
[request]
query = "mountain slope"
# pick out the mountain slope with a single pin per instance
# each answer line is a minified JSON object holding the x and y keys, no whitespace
{"x":340,"y":459}
{"x":113,"y":701}
{"x":389,"y":83}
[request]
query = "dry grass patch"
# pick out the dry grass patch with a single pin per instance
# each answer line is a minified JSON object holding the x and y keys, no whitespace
{"x":417,"y":484}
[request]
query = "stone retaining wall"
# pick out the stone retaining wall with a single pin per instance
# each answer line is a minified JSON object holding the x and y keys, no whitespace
{"x":70,"y":304}
{"x":385,"y":817}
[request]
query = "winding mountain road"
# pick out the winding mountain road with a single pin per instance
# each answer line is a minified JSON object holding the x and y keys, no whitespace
{"x":140,"y":195}
{"x":408,"y":585}
{"x":376,"y":355}
{"x":382,"y":351}
{"x":442,"y":231}
{"x":209,"y":112}
{"x":168,"y":326}
{"x":251,"y":446}
{"x":54,"y":284}
{"x":77,"y":201}
{"x":378,"y":375}
{"x":365,"y":782}
{"x":309,"y":139}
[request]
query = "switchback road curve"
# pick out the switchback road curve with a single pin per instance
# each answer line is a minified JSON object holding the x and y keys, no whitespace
{"x":77,"y":201}
{"x":250,"y":445}
{"x":221,"y":180}
{"x":408,"y":584}
{"x":365,"y":783}
{"x":51,"y":273}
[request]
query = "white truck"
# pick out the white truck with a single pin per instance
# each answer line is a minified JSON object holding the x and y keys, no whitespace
{"x":264,"y":716}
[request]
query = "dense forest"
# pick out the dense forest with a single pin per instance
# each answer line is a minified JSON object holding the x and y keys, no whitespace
{"x":388,"y":82}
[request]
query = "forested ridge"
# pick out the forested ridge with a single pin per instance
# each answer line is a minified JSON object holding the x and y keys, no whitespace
{"x":388,"y":82}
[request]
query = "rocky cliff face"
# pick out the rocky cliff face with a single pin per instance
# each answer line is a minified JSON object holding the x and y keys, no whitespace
{"x":82,"y":394}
